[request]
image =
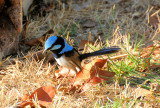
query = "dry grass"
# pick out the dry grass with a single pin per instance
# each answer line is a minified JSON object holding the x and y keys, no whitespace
{"x":119,"y":20}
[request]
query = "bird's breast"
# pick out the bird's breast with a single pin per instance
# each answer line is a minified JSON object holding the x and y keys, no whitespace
{"x":71,"y":62}
{"x":62,"y":61}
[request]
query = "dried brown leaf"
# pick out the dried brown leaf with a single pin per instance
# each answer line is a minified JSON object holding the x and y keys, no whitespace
{"x":44,"y":95}
{"x":82,"y":44}
{"x":90,"y":69}
{"x":25,"y":97}
{"x":92,"y":82}
{"x":92,"y":72}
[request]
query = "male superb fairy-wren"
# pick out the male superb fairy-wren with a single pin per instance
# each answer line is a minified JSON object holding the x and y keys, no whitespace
{"x":67,"y":56}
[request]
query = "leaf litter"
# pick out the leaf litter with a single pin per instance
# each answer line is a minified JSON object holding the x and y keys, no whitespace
{"x":91,"y":89}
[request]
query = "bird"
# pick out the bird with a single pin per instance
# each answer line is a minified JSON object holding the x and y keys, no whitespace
{"x":67,"y":56}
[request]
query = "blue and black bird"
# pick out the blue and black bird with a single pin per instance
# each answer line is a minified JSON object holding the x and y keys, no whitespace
{"x":67,"y":56}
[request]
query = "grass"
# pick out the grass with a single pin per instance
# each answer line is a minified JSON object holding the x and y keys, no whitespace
{"x":114,"y":26}
{"x":71,"y":28}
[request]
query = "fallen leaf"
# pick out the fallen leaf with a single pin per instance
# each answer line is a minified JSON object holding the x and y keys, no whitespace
{"x":68,"y":90}
{"x":99,"y":62}
{"x":90,"y":69}
{"x":26,"y":103}
{"x":44,"y":95}
{"x":25,"y":97}
{"x":103,"y":76}
{"x":93,"y":72}
{"x":92,"y":82}
{"x":82,"y":44}
{"x":106,"y":74}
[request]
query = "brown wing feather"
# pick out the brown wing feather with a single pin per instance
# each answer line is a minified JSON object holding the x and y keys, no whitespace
{"x":74,"y":61}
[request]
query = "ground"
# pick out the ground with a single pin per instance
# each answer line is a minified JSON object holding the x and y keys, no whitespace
{"x":133,"y":25}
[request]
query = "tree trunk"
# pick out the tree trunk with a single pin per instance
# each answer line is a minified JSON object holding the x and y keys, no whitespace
{"x":10,"y":26}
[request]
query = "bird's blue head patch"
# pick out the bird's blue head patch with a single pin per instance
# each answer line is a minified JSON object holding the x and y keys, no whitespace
{"x":49,"y":44}
{"x":50,"y":41}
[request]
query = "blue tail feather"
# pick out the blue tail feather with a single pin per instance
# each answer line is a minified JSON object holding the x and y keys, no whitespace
{"x":108,"y":50}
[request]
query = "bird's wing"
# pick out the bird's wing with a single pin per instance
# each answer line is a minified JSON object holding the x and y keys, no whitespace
{"x":74,"y":61}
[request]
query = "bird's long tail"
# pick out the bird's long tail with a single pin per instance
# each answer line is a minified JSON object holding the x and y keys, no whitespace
{"x":108,"y":50}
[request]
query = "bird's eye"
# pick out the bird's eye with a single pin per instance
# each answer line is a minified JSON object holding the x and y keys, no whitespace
{"x":55,"y":47}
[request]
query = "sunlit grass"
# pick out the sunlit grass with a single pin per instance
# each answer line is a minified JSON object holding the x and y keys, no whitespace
{"x":118,"y":28}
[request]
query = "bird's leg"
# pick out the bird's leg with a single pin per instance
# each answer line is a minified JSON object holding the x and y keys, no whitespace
{"x":75,"y":76}
{"x":63,"y":79}
{"x":74,"y":79}
{"x":72,"y":72}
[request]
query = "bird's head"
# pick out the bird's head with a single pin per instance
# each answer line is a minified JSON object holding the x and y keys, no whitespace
{"x":50,"y":44}
{"x":57,"y":44}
